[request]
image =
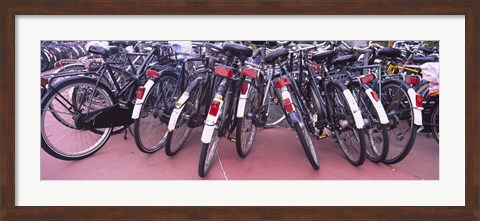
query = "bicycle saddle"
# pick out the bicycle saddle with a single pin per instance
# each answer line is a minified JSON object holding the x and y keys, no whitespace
{"x":421,"y":60}
{"x":345,"y":59}
{"x":237,"y":49}
{"x":272,"y":57}
{"x":122,"y":43}
{"x":213,"y":47}
{"x":323,"y":56}
{"x":390,"y":52}
{"x":96,"y":49}
{"x":426,"y":50}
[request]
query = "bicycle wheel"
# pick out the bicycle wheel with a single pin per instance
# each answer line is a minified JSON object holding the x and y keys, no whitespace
{"x":246,"y":130}
{"x":209,"y":150}
{"x":68,"y":138}
{"x":436,"y":123}
{"x":401,"y":128}
{"x":377,"y":144}
{"x":207,"y":154}
{"x":275,"y":115}
{"x":63,"y":70}
{"x":177,"y":137}
{"x":120,"y":77}
{"x":150,"y":129}
{"x":304,"y":137}
{"x":351,"y":139}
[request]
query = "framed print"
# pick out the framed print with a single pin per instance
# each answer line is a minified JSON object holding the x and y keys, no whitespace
{"x":26,"y":194}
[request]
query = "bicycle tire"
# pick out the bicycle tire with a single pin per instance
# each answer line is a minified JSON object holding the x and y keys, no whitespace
{"x":304,"y":136}
{"x":436,"y":122}
{"x":307,"y":144}
{"x":150,"y":130}
{"x":207,"y":154}
{"x":78,"y":68}
{"x":377,"y":133}
{"x":209,"y":149}
{"x":400,"y":113}
{"x":351,"y":139}
{"x":51,"y":136}
{"x":275,"y":115}
{"x":245,"y":128}
{"x":172,"y":146}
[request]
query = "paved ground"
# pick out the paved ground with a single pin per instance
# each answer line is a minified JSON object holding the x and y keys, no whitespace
{"x":276,"y":155}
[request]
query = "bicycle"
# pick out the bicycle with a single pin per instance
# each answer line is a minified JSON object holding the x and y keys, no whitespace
{"x":345,"y":68}
{"x":224,"y":115}
{"x":334,"y":107}
{"x":88,"y":109}
{"x":402,"y":105}
{"x":192,"y":107}
{"x":155,"y":102}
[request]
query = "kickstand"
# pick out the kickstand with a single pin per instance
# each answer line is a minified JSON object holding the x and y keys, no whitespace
{"x":129,"y":129}
{"x":125,"y":135}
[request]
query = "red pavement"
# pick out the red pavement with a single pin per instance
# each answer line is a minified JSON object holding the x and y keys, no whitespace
{"x":276,"y":155}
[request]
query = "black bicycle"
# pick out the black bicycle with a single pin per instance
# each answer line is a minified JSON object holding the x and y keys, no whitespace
{"x":79,"y":113}
{"x":225,"y":112}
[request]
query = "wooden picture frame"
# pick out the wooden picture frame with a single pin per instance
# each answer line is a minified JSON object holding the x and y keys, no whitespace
{"x":9,"y":9}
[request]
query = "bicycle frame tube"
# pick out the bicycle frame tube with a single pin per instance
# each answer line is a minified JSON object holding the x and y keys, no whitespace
{"x":317,"y":92}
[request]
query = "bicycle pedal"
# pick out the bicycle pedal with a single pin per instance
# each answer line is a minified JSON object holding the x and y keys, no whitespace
{"x":420,"y":129}
{"x":323,"y":136}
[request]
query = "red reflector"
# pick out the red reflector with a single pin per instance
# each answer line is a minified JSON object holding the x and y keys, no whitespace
{"x":412,"y":80}
{"x":419,"y":100}
{"x":140,"y":92}
{"x":282,"y":82}
{"x":152,"y":73}
{"x":367,"y":79}
{"x":43,"y":81}
{"x":58,"y":64}
{"x":374,"y":95}
{"x":288,"y":105}
{"x":224,"y":71}
{"x":249,"y":72}
{"x":214,"y":108}
{"x":244,"y":88}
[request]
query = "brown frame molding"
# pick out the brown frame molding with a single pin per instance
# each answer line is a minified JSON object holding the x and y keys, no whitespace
{"x":9,"y":8}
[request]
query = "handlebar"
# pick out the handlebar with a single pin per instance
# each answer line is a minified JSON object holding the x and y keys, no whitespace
{"x":365,"y":49}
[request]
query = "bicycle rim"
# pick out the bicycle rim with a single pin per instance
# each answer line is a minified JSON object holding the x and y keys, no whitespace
{"x":275,"y":115}
{"x":181,"y":132}
{"x":436,"y":123}
{"x":150,"y":129}
{"x":351,"y":139}
{"x":402,"y":131}
{"x":246,"y":130}
{"x":208,"y":152}
{"x":61,"y":137}
{"x":377,"y":144}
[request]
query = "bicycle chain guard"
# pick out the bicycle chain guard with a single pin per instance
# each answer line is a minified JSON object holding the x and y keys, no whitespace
{"x":113,"y":116}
